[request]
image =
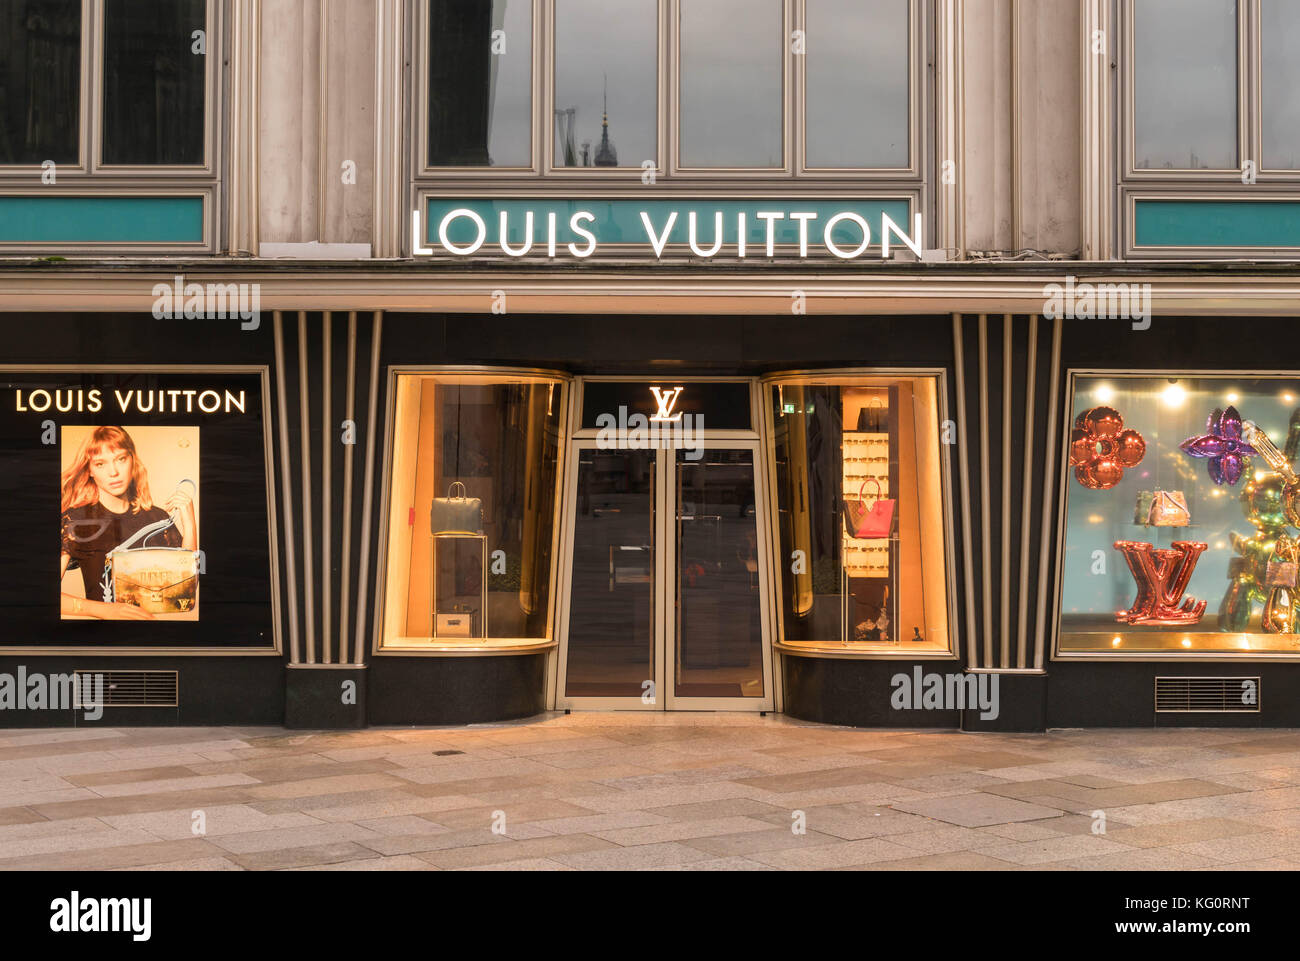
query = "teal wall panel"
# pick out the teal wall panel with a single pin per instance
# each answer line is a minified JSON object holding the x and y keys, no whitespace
{"x":77,"y":220}
{"x":1217,"y":223}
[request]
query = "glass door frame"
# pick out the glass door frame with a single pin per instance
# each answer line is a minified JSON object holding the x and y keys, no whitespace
{"x":671,"y":567}
{"x":657,"y":603}
{"x":664,"y":603}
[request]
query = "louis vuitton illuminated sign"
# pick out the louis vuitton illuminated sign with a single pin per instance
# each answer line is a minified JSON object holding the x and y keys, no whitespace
{"x":578,"y":229}
{"x":666,"y":399}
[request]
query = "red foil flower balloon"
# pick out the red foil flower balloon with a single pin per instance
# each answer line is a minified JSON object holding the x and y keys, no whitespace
{"x":1100,"y":448}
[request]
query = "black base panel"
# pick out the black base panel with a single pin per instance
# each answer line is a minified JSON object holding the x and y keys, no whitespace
{"x":325,"y":698}
{"x":858,"y":693}
{"x":456,"y":690}
{"x":213,"y":691}
{"x":1116,"y":694}
{"x":1021,"y":706}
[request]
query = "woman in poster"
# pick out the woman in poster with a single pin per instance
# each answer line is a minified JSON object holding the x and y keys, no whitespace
{"x":106,"y":500}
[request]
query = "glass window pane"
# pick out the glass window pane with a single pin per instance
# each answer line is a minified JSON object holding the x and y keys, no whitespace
{"x":611,"y":642}
{"x":1194,"y":515}
{"x":731,"y":97}
{"x":859,"y":494}
{"x":1185,"y":74}
{"x":606,"y":83}
{"x":1281,"y":30}
{"x":154,"y":81}
{"x":474,"y":473}
{"x":719,"y":630}
{"x":856,"y":102}
{"x":40,"y":80}
{"x":480,"y":83}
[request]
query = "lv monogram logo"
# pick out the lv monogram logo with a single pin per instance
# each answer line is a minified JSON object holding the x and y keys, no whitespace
{"x":1162,"y":575}
{"x":666,"y":398}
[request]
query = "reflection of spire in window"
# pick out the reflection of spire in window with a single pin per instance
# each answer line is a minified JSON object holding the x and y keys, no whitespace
{"x":564,"y":121}
{"x":606,"y":155}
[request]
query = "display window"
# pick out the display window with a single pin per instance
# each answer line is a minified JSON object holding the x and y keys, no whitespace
{"x":158,"y":480}
{"x":474,"y":461}
{"x":1181,"y":530}
{"x":859,"y":473}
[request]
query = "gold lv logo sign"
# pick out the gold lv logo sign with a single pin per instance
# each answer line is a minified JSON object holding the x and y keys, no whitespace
{"x":666,"y":398}
{"x":1162,"y":576}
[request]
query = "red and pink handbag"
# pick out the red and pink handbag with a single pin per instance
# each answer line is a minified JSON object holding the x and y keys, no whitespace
{"x":875,"y":521}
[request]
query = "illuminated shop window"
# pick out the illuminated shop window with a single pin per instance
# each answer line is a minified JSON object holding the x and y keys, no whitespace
{"x":860,"y":524}
{"x":1182,"y":519}
{"x":471,"y":510}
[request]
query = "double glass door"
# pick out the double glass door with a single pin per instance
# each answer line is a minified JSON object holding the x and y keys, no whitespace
{"x":668,"y":585}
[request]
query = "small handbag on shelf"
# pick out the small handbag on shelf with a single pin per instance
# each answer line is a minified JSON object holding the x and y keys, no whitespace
{"x":456,"y":513}
{"x":1280,"y":574}
{"x":1169,"y":509}
{"x":876,"y":521}
{"x":873,"y":418}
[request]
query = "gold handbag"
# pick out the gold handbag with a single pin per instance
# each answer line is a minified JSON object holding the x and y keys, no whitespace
{"x":1169,"y":509}
{"x":160,"y":580}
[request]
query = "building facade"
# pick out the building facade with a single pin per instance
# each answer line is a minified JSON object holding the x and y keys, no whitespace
{"x":889,"y":363}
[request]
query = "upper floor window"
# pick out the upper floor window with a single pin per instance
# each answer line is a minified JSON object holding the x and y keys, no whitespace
{"x":1213,"y":88}
{"x":98,"y":84}
{"x":686,"y":87}
{"x":1209,"y":132}
{"x":1185,"y":84}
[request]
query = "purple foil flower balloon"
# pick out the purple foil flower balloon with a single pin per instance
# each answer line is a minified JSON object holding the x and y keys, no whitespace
{"x":1222,"y":446}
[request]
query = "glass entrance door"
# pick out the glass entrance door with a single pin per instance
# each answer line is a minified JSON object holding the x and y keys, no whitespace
{"x":668,"y":583}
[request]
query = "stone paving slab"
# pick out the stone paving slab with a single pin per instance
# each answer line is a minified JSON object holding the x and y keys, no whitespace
{"x":979,"y":810}
{"x":635,"y":791}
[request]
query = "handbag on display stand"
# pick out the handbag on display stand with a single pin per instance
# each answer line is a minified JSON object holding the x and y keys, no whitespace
{"x":456,"y":513}
{"x":454,"y":519}
{"x":876,"y":521}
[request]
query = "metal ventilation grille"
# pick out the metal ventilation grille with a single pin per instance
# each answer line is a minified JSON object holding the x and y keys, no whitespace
{"x":1207,"y":695}
{"x":131,"y":688}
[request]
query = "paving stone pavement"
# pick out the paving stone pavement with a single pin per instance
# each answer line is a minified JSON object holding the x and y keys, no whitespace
{"x":600,"y":791}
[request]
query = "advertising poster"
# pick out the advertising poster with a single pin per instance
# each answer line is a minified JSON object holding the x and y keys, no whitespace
{"x":157,"y":483}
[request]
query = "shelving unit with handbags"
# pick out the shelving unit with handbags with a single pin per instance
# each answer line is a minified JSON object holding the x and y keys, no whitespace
{"x":869,"y":547}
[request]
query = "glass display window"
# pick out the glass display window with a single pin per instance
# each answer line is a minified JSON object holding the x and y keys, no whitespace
{"x":1181,"y":516}
{"x":474,"y":462}
{"x":860,"y":485}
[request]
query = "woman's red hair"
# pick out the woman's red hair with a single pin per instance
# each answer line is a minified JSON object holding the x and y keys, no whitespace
{"x":79,"y":487}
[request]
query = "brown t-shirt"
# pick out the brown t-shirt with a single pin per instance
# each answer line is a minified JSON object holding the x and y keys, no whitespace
{"x":89,"y":533}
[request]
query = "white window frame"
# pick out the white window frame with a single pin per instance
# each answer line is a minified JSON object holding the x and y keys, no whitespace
{"x":90,"y":177}
{"x":1224,"y":184}
{"x":668,"y":166}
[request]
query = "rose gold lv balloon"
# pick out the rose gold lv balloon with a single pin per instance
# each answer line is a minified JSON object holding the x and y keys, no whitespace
{"x":1162,"y":576}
